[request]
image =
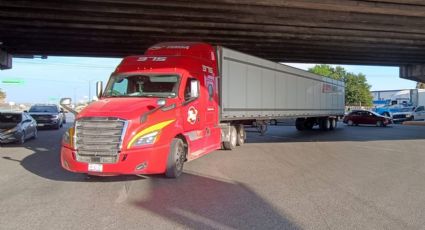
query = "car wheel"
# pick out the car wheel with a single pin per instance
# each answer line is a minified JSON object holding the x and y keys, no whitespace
{"x":22,"y":139}
{"x":273,"y":122}
{"x":35,"y":135}
{"x":379,"y":124}
{"x":176,"y":159}
{"x":350,"y":123}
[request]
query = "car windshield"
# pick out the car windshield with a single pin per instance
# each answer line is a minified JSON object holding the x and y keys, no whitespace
{"x":376,"y":114}
{"x":10,"y":118}
{"x":406,"y":109}
{"x":164,"y":86}
{"x":43,"y":109}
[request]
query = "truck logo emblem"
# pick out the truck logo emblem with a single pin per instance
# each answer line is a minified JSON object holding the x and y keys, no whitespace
{"x":192,"y":114}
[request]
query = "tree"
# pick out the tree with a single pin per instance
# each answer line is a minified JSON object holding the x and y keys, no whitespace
{"x":2,"y":96}
{"x":357,"y":91}
{"x":420,"y":85}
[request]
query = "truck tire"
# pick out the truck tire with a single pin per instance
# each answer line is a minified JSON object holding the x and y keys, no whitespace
{"x":325,"y":124}
{"x":176,"y":158}
{"x":241,"y":136}
{"x":299,"y":124}
{"x":308,"y":124}
{"x":229,"y":145}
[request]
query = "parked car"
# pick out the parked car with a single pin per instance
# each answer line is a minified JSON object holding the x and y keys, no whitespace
{"x":357,"y":117}
{"x":17,"y":127}
{"x":410,"y":114}
{"x":48,"y":115}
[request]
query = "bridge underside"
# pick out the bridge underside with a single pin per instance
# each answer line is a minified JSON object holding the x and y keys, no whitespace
{"x":371,"y":32}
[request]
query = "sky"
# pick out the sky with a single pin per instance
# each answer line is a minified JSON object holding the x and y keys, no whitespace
{"x":48,"y":80}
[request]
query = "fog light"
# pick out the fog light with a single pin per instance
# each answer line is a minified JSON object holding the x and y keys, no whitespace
{"x":141,"y":166}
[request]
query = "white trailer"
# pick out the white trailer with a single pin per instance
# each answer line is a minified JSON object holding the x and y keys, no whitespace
{"x":256,"y":89}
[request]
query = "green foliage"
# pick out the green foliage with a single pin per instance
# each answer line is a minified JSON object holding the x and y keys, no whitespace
{"x":357,"y":91}
{"x":420,"y":85}
{"x":2,"y":95}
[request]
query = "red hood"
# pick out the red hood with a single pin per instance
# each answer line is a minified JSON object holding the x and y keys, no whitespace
{"x":126,"y":108}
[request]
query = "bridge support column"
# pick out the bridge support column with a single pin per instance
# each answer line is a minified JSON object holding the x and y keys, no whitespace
{"x":5,"y":60}
{"x":415,"y":72}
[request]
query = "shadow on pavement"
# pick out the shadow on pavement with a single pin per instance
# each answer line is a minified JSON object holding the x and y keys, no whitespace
{"x":204,"y":203}
{"x":45,"y":159}
{"x":278,"y":133}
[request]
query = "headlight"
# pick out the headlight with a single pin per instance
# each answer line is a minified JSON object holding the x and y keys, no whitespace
{"x":149,"y":135}
{"x":11,"y":130}
{"x":408,"y":115}
{"x":68,"y":138}
{"x":55,"y":116}
{"x":147,"y":139}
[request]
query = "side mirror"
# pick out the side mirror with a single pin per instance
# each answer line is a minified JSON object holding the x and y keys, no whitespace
{"x":161,"y":102}
{"x":99,"y":89}
{"x":66,"y":103}
{"x":194,"y":88}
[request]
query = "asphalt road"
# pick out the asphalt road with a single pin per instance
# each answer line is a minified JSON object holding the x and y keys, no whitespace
{"x":351,"y":178}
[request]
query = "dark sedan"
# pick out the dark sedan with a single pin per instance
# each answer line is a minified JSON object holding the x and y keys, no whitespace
{"x":17,"y":127}
{"x":367,"y":118}
{"x":48,"y":115}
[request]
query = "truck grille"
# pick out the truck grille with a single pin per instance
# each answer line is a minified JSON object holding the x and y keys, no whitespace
{"x":99,"y":139}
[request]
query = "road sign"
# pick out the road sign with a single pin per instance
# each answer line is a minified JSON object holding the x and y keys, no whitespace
{"x":13,"y":81}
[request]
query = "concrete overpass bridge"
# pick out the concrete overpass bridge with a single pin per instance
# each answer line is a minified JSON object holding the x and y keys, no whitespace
{"x":369,"y":32}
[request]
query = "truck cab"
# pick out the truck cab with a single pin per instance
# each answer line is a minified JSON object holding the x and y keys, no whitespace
{"x":156,"y":112}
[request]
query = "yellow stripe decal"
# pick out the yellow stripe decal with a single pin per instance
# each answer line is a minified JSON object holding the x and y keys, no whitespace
{"x":156,"y":127}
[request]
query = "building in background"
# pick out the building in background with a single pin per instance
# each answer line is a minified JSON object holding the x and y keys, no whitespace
{"x":390,"y":97}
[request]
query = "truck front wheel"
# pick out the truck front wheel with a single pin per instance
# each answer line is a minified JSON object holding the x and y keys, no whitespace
{"x":176,"y":159}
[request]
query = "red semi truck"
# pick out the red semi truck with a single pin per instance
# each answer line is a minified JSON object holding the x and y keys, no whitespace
{"x":183,"y":100}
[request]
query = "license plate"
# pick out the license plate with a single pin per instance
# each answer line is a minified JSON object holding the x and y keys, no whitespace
{"x":95,"y":167}
{"x":40,"y":124}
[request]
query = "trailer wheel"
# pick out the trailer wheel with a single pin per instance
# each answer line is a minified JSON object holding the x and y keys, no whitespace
{"x":308,"y":124}
{"x":241,"y":136}
{"x":300,"y":124}
{"x":325,"y":124}
{"x":176,"y":159}
{"x":229,"y":145}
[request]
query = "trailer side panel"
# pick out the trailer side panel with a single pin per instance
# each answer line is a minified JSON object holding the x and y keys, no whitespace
{"x":254,"y":88}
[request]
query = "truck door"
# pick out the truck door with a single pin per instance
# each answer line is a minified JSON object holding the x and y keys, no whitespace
{"x":212,"y":132}
{"x":192,"y":114}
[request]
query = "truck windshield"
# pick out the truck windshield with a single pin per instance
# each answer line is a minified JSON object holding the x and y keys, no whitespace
{"x":165,"y":86}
